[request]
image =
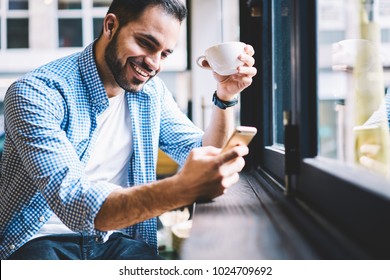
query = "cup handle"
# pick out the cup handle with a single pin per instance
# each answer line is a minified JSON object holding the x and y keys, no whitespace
{"x":199,"y":61}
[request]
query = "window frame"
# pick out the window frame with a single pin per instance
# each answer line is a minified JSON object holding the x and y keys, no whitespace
{"x":340,"y":196}
{"x":334,"y":190}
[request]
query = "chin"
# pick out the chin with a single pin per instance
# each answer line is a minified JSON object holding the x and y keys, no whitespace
{"x":134,"y":85}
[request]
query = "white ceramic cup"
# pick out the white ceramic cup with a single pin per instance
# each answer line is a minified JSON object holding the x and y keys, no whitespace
{"x":223,"y":58}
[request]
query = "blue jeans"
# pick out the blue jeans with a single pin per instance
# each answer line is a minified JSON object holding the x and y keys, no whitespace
{"x":76,"y":246}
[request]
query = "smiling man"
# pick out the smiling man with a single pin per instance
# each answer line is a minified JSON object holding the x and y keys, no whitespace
{"x":78,"y":173}
{"x":133,"y":54}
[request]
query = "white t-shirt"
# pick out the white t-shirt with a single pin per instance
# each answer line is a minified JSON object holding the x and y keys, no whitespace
{"x":110,"y":158}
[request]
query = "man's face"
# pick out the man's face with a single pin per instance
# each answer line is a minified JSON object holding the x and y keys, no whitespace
{"x":137,"y":50}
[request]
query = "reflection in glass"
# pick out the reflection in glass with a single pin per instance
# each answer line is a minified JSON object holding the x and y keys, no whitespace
{"x":17,"y":33}
{"x":281,"y":67}
{"x":353,"y":45}
{"x":332,"y":85}
{"x":70,"y":32}
{"x":69,"y":4}
{"x":101,"y":3}
{"x":18,"y":5}
{"x":371,"y":137}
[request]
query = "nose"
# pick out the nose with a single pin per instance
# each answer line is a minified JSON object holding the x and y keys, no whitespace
{"x":153,"y":61}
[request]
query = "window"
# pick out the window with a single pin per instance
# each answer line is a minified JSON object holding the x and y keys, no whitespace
{"x":100,"y":8}
{"x":101,"y":3}
{"x":70,"y":25}
{"x":281,"y":60}
{"x":17,"y":33}
{"x":70,"y":32}
{"x":69,"y":4}
{"x":80,"y":22}
{"x":18,"y":5}
{"x":275,"y":86}
{"x":97,"y":27}
{"x":298,"y":75}
{"x":15,"y":24}
{"x":349,"y":95}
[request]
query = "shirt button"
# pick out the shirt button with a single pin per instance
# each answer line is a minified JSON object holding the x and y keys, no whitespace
{"x":42,"y":219}
{"x":12,"y":247}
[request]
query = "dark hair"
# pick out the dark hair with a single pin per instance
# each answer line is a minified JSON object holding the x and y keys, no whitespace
{"x":130,"y":10}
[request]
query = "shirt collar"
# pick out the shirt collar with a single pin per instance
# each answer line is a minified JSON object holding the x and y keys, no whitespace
{"x":91,"y":79}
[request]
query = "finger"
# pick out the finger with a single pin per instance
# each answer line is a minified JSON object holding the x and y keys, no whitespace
{"x":242,"y":80}
{"x":249,"y":50}
{"x":245,"y":70}
{"x":229,"y":181}
{"x":237,"y":151}
{"x":370,"y":149}
{"x":247,"y":59}
{"x":233,"y":166}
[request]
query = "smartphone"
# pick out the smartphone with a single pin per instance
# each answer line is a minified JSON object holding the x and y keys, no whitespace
{"x":242,"y":135}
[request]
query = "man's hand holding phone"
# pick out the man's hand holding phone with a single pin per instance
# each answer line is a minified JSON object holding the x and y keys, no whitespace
{"x":216,"y":171}
{"x":242,"y":135}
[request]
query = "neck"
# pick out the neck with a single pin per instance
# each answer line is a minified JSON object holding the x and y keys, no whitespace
{"x":112,"y":88}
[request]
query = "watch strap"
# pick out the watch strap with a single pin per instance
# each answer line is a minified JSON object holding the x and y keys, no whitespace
{"x":223,"y":104}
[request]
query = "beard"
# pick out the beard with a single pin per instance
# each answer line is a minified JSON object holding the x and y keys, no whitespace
{"x":118,"y":70}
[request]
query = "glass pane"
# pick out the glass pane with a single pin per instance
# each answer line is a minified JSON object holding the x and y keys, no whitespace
{"x":97,"y":27}
{"x":353,"y":47}
{"x":70,"y":32}
{"x":69,"y":4}
{"x":332,"y":28}
{"x":17,"y":33}
{"x":282,"y":67}
{"x":101,"y":3}
{"x":18,"y":5}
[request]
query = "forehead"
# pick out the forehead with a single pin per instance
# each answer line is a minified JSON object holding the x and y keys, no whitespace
{"x":155,"y":22}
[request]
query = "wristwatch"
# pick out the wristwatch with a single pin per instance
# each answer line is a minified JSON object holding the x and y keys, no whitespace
{"x":224,"y":104}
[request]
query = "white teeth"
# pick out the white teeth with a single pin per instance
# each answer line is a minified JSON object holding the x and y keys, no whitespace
{"x":139,"y":71}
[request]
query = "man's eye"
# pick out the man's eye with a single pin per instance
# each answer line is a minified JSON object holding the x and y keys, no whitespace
{"x":146,"y":44}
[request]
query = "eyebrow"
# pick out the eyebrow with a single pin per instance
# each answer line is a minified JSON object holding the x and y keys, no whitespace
{"x":155,"y":41}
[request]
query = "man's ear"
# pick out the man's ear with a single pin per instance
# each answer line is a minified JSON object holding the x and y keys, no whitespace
{"x":110,"y":25}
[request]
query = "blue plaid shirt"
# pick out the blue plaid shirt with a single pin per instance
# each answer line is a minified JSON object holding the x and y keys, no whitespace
{"x":50,"y":124}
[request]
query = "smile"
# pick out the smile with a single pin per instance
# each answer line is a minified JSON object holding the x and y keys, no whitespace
{"x":141,"y":72}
